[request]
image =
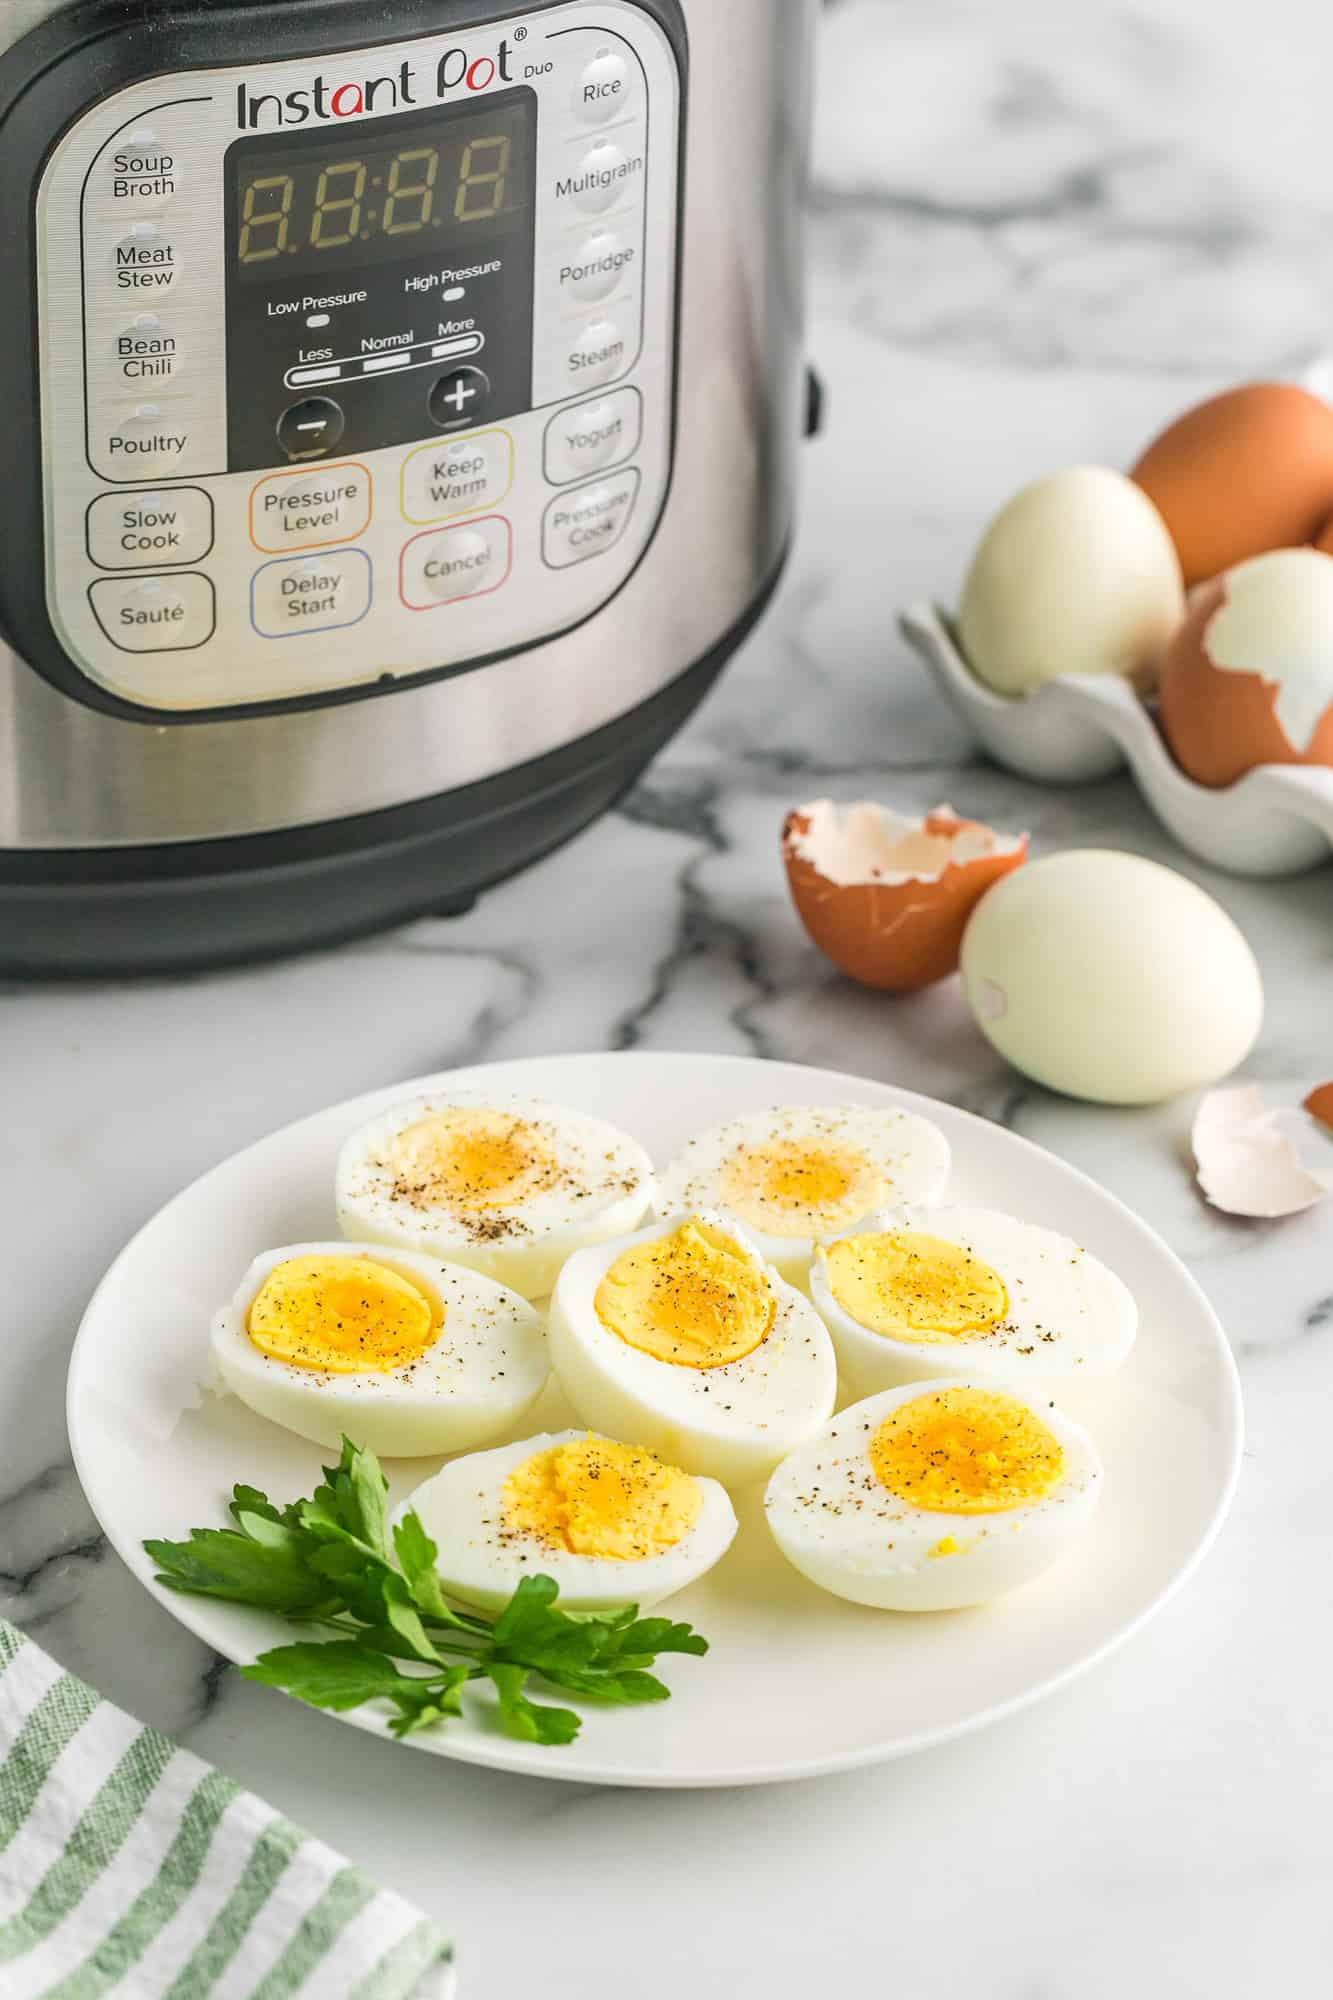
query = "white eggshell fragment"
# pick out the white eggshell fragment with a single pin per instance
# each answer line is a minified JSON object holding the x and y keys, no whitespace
{"x":1247,"y":1165}
{"x":1111,"y":978}
{"x":1076,"y":575}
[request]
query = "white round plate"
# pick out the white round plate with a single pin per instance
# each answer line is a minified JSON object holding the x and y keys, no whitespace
{"x":797,"y":1683}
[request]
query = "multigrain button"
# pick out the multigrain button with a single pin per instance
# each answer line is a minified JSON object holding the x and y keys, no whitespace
{"x":600,"y":177}
{"x":146,"y":530}
{"x":461,"y":475}
{"x":145,"y":263}
{"x":309,"y":510}
{"x":588,"y":521}
{"x":142,"y":172}
{"x":597,"y":354}
{"x":592,"y":436}
{"x":155,"y":614}
{"x":311,"y":594}
{"x":452,"y":564}
{"x":595,"y":266}
{"x":148,"y":354}
{"x":604,"y":89}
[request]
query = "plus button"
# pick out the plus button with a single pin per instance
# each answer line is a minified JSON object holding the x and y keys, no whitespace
{"x":459,"y":396}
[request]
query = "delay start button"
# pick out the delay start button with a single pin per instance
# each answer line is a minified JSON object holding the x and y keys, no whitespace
{"x":155,"y":614}
{"x":456,"y":563}
{"x":311,"y":594}
{"x":588,"y":521}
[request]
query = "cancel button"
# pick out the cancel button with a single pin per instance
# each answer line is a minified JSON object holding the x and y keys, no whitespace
{"x":590,"y":520}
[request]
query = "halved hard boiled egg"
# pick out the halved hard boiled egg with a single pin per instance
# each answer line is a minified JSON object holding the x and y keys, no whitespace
{"x":682,"y":1338}
{"x":507,"y":1186}
{"x":611,"y":1523}
{"x":793,"y":1175}
{"x":405,"y":1354}
{"x":931,"y":1497}
{"x":916,"y":1293}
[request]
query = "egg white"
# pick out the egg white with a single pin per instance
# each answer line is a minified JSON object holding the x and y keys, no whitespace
{"x":1068,"y":1314}
{"x":911,"y":1154}
{"x":483,"y":1374}
{"x":733,"y":1422}
{"x":482,"y":1564}
{"x":840,"y":1527}
{"x":606,"y":1188}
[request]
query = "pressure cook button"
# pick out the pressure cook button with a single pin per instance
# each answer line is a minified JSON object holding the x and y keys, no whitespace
{"x":311,"y":427}
{"x":145,"y":530}
{"x":595,"y":266}
{"x":593,"y":436}
{"x":145,"y":263}
{"x":460,"y":397}
{"x":588,"y":521}
{"x":142,"y":172}
{"x":455,"y":563}
{"x":461,"y":475}
{"x":598,"y":354}
{"x":604,"y":173}
{"x":155,"y":614}
{"x":308,"y":510}
{"x":603,"y":91}
{"x":148,"y":354}
{"x":311,"y":594}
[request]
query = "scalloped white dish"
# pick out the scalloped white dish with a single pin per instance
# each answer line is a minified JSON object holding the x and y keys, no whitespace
{"x":797,"y":1682}
{"x":1278,"y":820}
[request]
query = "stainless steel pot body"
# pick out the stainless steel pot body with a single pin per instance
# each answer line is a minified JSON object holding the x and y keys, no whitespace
{"x":72,"y":778}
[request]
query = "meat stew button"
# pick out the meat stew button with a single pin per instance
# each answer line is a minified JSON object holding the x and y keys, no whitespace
{"x":588,"y":521}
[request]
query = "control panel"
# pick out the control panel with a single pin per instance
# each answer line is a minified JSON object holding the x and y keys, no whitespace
{"x":360,"y":368}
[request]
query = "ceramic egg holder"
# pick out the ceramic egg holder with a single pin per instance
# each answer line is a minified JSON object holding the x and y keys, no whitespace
{"x":1277,"y":820}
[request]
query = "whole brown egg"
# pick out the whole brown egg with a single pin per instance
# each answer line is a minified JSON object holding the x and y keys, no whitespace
{"x":1246,"y":472}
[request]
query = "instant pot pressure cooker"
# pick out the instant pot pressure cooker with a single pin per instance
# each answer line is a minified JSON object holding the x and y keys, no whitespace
{"x":403,"y":401}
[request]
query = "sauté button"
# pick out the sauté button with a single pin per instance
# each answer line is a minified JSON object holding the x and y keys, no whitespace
{"x":458,"y":476}
{"x":600,"y":352}
{"x":604,"y":89}
{"x":142,"y":172}
{"x":595,"y":266}
{"x":460,"y":397}
{"x":145,"y":263}
{"x":600,"y":178}
{"x":588,"y":521}
{"x":592,"y":436}
{"x":454,"y":563}
{"x":155,"y":614}
{"x":148,"y":353}
{"x":308,"y":510}
{"x":311,"y":594}
{"x":311,"y":427}
{"x":144,"y":530}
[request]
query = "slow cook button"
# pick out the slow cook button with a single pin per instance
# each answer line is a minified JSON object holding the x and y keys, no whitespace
{"x":590,"y":521}
{"x":595,"y":266}
{"x":155,"y":614}
{"x":604,"y":90}
{"x":309,"y":510}
{"x":598,"y":354}
{"x":593,"y":436}
{"x":311,"y":594}
{"x":144,"y":530}
{"x":460,"y":475}
{"x":456,"y":563}
{"x":145,"y":263}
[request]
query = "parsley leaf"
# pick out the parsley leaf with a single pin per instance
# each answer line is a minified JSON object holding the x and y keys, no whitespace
{"x":530,"y":1721}
{"x":218,"y":1562}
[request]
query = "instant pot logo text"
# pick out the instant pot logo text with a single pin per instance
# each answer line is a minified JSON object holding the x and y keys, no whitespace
{"x":359,"y":97}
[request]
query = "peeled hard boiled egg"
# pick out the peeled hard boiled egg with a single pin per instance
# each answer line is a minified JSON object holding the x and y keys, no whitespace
{"x":797,"y":1173}
{"x":1248,"y":679}
{"x":1111,"y":978}
{"x":1076,"y":575}
{"x":609,"y":1522}
{"x":507,"y":1186}
{"x":917,"y":1293}
{"x":682,"y":1338}
{"x":932,"y":1497}
{"x":1245,"y":472}
{"x":406,"y":1355}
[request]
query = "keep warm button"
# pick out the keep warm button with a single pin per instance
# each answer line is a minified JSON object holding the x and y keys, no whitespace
{"x":311,"y":594}
{"x":589,"y":521}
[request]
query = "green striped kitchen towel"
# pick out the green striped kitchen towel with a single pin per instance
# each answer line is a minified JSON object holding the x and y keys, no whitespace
{"x":129,"y":1868}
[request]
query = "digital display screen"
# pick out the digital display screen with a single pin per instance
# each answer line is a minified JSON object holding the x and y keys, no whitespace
{"x":436,"y":183}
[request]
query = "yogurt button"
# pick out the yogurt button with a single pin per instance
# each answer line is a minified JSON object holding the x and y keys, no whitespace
{"x":592,"y":436}
{"x":158,"y":614}
{"x":603,"y":90}
{"x":588,"y":521}
{"x":599,"y":353}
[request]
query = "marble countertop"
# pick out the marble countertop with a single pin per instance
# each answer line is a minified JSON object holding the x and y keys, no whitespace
{"x":1039,"y":231}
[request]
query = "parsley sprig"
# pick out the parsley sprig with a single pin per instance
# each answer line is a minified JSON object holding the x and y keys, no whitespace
{"x":332,"y":1562}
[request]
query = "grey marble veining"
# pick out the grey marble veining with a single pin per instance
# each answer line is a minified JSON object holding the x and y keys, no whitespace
{"x":1039,"y":230}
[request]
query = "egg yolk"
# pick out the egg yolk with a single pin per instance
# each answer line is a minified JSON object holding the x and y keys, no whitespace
{"x":595,"y":1498}
{"x":342,"y":1316}
{"x":795,"y":1187}
{"x":471,"y":1160}
{"x":966,"y":1451}
{"x":692,"y":1298}
{"x":910,"y":1286}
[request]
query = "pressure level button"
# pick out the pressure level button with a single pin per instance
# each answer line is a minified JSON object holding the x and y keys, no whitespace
{"x":312,"y":427}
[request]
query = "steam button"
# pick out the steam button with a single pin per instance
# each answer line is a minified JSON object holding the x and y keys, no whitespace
{"x":603,"y":91}
{"x":598,"y":354}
